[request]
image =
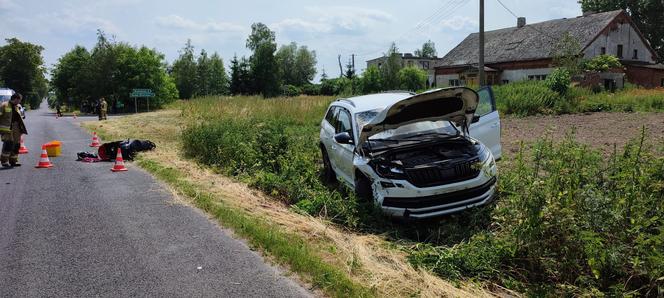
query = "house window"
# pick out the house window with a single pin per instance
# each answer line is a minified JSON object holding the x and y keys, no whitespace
{"x":455,"y":82}
{"x":619,"y":51}
{"x":602,"y":51}
{"x":537,"y":77}
{"x":425,"y":64}
{"x":636,"y":55}
{"x":505,"y":81}
{"x":662,"y":83}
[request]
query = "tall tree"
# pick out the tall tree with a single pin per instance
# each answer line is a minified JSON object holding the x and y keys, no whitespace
{"x":390,"y":69}
{"x":22,"y":69}
{"x":68,"y":74}
{"x":305,"y":63}
{"x":184,"y":71}
{"x":286,"y":60}
{"x":218,"y":76}
{"x":646,"y":14}
{"x":428,"y":50}
{"x":264,"y":67}
{"x":234,"y":86}
{"x":203,"y":75}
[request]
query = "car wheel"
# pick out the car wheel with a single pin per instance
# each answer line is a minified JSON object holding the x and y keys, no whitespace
{"x":363,"y":187}
{"x":328,"y":173}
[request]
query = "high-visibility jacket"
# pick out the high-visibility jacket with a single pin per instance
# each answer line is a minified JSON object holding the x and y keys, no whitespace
{"x":7,"y":111}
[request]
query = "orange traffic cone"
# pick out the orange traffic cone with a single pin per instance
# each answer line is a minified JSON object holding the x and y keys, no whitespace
{"x":43,"y":160}
{"x":95,"y":140}
{"x":22,"y":149}
{"x":119,"y":162}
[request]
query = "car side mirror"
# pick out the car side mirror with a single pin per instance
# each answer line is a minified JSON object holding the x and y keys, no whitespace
{"x":475,"y":119}
{"x":343,"y":138}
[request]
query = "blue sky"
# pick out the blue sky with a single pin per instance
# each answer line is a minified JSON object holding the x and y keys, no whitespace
{"x":331,"y":28}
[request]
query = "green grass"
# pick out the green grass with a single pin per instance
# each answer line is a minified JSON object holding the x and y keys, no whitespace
{"x":533,"y":97}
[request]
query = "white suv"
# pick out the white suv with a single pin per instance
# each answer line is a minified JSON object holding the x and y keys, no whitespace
{"x":416,"y":155}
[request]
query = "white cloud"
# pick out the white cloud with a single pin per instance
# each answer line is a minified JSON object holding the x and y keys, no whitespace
{"x":336,"y":19}
{"x":178,"y":22}
{"x":458,"y":23}
{"x":64,"y":21}
{"x":6,"y":5}
{"x":300,"y":25}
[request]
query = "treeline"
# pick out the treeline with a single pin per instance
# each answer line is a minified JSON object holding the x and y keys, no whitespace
{"x":111,"y":70}
{"x":391,"y":75}
{"x":22,"y":69}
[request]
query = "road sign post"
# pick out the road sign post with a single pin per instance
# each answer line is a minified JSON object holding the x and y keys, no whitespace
{"x":136,"y":93}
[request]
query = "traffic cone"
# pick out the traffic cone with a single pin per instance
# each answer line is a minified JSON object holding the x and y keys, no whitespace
{"x":43,"y":160}
{"x":95,"y":140}
{"x":119,"y":162}
{"x":74,"y":116}
{"x":22,"y":149}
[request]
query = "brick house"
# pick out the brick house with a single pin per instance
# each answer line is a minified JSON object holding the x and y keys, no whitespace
{"x":525,"y":52}
{"x":409,"y":60}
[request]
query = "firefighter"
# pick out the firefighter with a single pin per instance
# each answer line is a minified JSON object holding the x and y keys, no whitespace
{"x":102,"y":109}
{"x":11,"y":129}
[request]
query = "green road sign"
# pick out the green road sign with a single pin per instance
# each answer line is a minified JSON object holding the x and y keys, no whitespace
{"x":141,"y":93}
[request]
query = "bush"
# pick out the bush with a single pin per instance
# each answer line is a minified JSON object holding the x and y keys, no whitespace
{"x":311,"y":89}
{"x":568,"y":222}
{"x":601,"y":63}
{"x":525,"y":98}
{"x":290,"y":91}
{"x":412,"y":79}
{"x":558,"y":80}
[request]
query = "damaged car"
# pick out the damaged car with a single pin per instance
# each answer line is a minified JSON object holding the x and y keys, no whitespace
{"x":415,"y":155}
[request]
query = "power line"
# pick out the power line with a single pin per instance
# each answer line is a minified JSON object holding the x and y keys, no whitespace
{"x":445,"y":10}
{"x":509,"y":10}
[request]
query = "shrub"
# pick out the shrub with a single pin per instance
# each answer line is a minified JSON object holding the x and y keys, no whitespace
{"x":311,"y":89}
{"x":412,"y":79}
{"x":290,"y":90}
{"x":558,"y":80}
{"x":525,"y":98}
{"x":568,"y":222}
{"x":601,"y":63}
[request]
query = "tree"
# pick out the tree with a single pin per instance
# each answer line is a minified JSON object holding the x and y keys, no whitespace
{"x":413,"y":79}
{"x":286,"y":60}
{"x":264,"y":68}
{"x":646,"y":14}
{"x":184,"y":71}
{"x":218,"y":76}
{"x":68,"y":74}
{"x":567,"y":54}
{"x":112,"y":70}
{"x":350,"y":71}
{"x":602,"y":63}
{"x":22,"y":69}
{"x":390,"y":69}
{"x":372,"y":81}
{"x":203,"y":75}
{"x":235,"y":76}
{"x":428,"y":50}
{"x":305,"y":64}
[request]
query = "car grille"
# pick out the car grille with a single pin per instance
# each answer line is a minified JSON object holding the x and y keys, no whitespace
{"x":439,"y":175}
{"x":440,"y":200}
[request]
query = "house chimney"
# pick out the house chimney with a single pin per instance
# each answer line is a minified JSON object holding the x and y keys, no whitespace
{"x":520,"y":22}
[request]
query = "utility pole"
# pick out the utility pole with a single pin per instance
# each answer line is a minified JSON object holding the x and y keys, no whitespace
{"x":481,"y":60}
{"x":353,"y":57}
{"x":341,"y":69}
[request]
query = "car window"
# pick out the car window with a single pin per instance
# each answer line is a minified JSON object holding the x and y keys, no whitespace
{"x":329,"y":117}
{"x":343,"y":122}
{"x":485,"y":105}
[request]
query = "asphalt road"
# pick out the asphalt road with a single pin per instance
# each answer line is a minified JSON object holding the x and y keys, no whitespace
{"x":80,"y":230}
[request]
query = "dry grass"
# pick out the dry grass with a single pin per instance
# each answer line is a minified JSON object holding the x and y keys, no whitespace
{"x":368,"y":259}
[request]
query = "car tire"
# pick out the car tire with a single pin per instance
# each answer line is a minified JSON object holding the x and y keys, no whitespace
{"x":363,"y":187}
{"x":328,"y":173}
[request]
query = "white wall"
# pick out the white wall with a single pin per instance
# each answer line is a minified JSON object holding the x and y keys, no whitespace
{"x":514,"y":75}
{"x":626,"y":35}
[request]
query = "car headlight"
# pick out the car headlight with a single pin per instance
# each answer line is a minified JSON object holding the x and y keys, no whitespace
{"x":390,"y":171}
{"x":483,"y":153}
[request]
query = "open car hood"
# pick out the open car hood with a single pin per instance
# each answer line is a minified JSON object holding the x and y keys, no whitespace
{"x":455,"y":104}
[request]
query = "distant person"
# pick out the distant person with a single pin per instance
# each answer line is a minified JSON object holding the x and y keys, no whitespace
{"x":11,"y":129}
{"x":103,"y":106}
{"x":58,"y":111}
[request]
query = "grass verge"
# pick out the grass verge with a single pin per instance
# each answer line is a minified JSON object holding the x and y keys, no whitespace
{"x":288,"y":249}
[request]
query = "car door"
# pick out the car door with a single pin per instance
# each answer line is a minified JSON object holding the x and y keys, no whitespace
{"x":343,"y":153}
{"x":328,"y":127}
{"x":487,"y":129}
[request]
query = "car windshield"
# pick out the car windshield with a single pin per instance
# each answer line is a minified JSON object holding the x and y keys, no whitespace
{"x":410,"y":132}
